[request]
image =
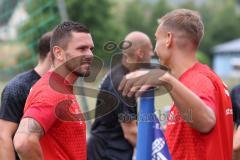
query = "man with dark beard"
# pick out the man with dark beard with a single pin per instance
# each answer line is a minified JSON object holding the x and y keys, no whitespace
{"x":51,"y":128}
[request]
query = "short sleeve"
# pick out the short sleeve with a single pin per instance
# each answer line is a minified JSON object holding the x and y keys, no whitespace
{"x":204,"y":88}
{"x":12,"y":104}
{"x":43,"y":113}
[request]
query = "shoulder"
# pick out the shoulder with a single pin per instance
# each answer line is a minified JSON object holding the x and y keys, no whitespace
{"x":197,"y":78}
{"x":117,"y":73}
{"x":20,"y":82}
{"x":15,"y":84}
{"x":200,"y":80}
{"x":22,"y":77}
{"x":43,"y":93}
{"x":42,"y":99}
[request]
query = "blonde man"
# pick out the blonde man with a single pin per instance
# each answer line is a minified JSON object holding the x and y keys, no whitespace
{"x":197,"y":92}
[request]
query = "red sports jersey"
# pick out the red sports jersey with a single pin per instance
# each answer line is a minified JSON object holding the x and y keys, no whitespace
{"x":186,"y":143}
{"x":55,"y":108}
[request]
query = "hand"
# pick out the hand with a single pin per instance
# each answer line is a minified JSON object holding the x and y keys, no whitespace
{"x":135,"y":83}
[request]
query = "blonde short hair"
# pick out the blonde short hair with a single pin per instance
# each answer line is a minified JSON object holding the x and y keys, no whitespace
{"x":187,"y":21}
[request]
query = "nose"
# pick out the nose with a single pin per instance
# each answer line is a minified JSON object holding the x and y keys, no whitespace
{"x":89,"y":54}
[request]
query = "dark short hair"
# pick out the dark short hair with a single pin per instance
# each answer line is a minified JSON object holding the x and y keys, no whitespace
{"x":44,"y":45}
{"x":62,"y":34}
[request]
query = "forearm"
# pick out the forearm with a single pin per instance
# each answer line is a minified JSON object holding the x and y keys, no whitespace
{"x":193,"y":110}
{"x":130,"y":132}
{"x":26,"y":140}
{"x":236,"y":140}
{"x":34,"y":153}
{"x":236,"y":144}
{"x":6,"y":149}
{"x":132,"y":138}
{"x":236,"y":155}
{"x":29,"y":150}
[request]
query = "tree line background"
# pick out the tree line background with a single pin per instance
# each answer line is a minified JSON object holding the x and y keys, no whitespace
{"x":111,"y":20}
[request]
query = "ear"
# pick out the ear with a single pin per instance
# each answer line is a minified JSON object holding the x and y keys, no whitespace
{"x":58,"y":53}
{"x":139,"y":54}
{"x":169,"y":40}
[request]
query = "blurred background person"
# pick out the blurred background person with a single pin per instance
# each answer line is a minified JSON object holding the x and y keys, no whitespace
{"x":235,"y":96}
{"x":14,"y":97}
{"x":113,"y":134}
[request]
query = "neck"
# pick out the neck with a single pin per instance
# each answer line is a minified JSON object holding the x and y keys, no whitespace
{"x":180,"y":64}
{"x":132,"y":66}
{"x":42,"y":67}
{"x":127,"y":65}
{"x":70,"y":77}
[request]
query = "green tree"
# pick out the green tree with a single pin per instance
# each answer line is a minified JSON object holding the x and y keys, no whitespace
{"x":43,"y":17}
{"x":98,"y":17}
{"x":189,"y":4}
{"x":6,"y":9}
{"x":203,"y":58}
{"x":160,"y":8}
{"x":143,"y":15}
{"x":225,"y":25}
{"x":221,"y":23}
{"x":136,"y":16}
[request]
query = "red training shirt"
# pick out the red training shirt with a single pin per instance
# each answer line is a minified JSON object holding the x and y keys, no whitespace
{"x":52,"y":104}
{"x":186,"y":143}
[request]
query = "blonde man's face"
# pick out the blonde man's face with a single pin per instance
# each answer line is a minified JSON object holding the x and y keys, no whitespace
{"x":161,"y":47}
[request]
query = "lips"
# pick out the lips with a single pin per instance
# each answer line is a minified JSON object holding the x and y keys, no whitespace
{"x":86,"y":66}
{"x":89,"y":62}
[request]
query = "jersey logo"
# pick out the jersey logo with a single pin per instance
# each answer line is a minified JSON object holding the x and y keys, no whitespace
{"x":229,"y":111}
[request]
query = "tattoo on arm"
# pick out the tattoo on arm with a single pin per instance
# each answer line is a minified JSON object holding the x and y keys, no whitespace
{"x":30,"y":126}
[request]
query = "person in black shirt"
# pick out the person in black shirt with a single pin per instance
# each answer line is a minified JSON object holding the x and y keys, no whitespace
{"x":14,"y":96}
{"x":113,"y":135}
{"x":235,"y":96}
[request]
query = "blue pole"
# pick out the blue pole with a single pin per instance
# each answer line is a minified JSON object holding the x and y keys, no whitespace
{"x":145,"y":126}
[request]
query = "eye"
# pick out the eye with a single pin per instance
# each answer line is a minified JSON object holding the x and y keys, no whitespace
{"x":82,"y":48}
